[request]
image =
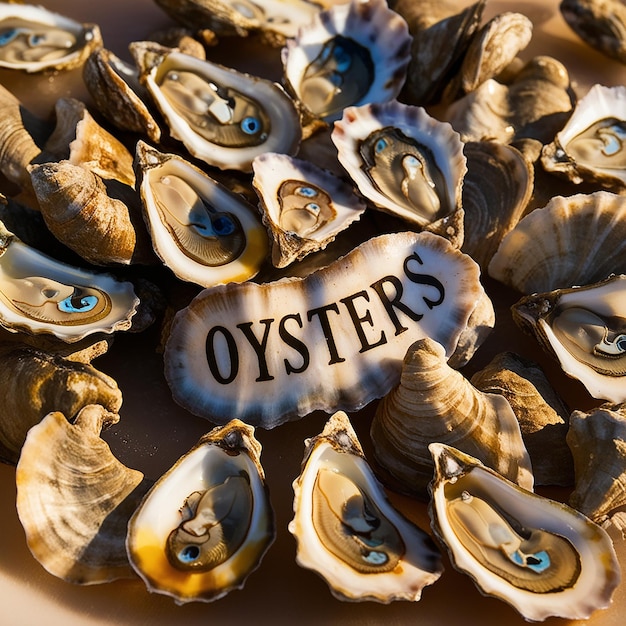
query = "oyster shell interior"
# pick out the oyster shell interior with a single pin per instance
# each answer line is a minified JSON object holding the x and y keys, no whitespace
{"x":41,"y":295}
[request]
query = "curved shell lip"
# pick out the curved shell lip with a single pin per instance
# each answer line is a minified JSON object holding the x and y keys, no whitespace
{"x":121,"y":293}
{"x":283,"y":116}
{"x":89,"y":36}
{"x":346,"y":582}
{"x":271,"y":170}
{"x":445,"y":143}
{"x":599,"y":103}
{"x":368,"y":23}
{"x":244,"y":267}
{"x":206,"y":460}
{"x":452,"y":464}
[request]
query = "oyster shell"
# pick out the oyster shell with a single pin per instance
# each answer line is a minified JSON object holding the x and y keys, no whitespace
{"x":34,"y":39}
{"x":115,"y":88}
{"x":74,"y":498}
{"x":599,"y":23}
{"x":202,"y":231}
{"x":41,"y":295}
{"x":346,"y":529}
{"x":575,"y":240}
{"x":402,"y":159}
{"x":434,"y":402}
{"x":223,"y":117}
{"x":542,"y":415}
{"x":34,"y":382}
{"x":542,"y":557}
{"x":303,"y":207}
{"x":585,"y":328}
{"x":591,"y":147}
{"x":207,"y":522}
{"x":597,"y":439}
{"x":274,"y":351}
{"x":99,"y":221}
{"x":348,"y":55}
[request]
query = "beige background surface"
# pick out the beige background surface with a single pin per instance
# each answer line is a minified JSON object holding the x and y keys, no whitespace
{"x":154,"y":432}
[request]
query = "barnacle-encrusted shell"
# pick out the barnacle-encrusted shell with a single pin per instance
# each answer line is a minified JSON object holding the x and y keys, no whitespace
{"x":402,"y":159}
{"x":207,"y":522}
{"x":574,"y":240}
{"x":115,"y":88}
{"x":351,"y":54}
{"x":33,"y":383}
{"x":80,"y":211}
{"x":303,"y":206}
{"x":333,"y":340}
{"x":434,"y":402}
{"x":222,"y":116}
{"x":41,"y":295}
{"x":541,"y":413}
{"x":346,"y":529}
{"x":202,"y":231}
{"x":74,"y":498}
{"x":598,"y":442}
{"x":585,"y":328}
{"x":35,"y":39}
{"x":539,"y":555}
{"x":599,"y":23}
{"x":592,"y":145}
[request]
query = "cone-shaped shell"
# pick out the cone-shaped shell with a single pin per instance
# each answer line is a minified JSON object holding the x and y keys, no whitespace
{"x":574,"y":240}
{"x":598,"y":443}
{"x":74,"y":498}
{"x":542,"y":557}
{"x":434,"y":402}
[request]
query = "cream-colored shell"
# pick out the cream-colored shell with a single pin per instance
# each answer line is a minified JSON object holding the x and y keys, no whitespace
{"x":370,"y":577}
{"x":474,"y":507}
{"x":434,"y":402}
{"x":272,"y":352}
{"x":444,"y":152}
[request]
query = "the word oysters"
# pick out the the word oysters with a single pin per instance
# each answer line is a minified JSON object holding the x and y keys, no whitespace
{"x":333,"y":340}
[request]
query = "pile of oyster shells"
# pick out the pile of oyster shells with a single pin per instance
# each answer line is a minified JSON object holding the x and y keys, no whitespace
{"x":338,"y":227}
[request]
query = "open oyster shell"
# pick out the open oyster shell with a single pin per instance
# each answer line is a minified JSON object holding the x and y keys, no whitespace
{"x":34,"y":39}
{"x":542,"y":557}
{"x":223,"y":117}
{"x":348,"y":55}
{"x":272,"y":352}
{"x":434,"y":402}
{"x":592,"y":145}
{"x":207,"y":522}
{"x":402,"y":159}
{"x":41,"y":295}
{"x":303,"y":206}
{"x":575,"y":240}
{"x":202,"y":231}
{"x":74,"y":498}
{"x":585,"y":328}
{"x":346,"y":529}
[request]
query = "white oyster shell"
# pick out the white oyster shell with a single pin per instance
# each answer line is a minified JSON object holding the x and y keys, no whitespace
{"x":35,"y":39}
{"x":592,"y":145}
{"x":402,"y":159}
{"x":202,"y":231}
{"x":585,"y":328}
{"x":207,"y":522}
{"x":223,"y":117}
{"x":540,"y":556}
{"x":351,"y":54}
{"x":41,"y":295}
{"x":304,"y":207}
{"x":346,"y":529}
{"x":333,"y":340}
